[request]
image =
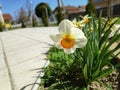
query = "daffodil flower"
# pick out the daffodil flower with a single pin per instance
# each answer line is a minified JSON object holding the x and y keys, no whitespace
{"x":77,"y":24}
{"x":80,"y":24}
{"x":113,"y":28}
{"x":114,"y":31}
{"x":109,"y":23}
{"x":85,"y":19}
{"x":74,"y":21}
{"x":91,"y":29}
{"x":69,"y":37}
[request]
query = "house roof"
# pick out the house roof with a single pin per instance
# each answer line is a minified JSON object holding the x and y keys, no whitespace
{"x":7,"y":17}
{"x":82,"y":8}
{"x":69,"y":9}
{"x":98,"y":0}
{"x":72,"y":9}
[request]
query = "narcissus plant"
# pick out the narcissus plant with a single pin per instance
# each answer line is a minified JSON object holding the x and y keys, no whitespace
{"x":69,"y":37}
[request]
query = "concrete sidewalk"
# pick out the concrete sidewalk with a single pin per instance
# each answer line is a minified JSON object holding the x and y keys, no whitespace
{"x":22,"y":54}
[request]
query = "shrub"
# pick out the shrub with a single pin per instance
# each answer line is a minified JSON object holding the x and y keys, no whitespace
{"x":60,"y":15}
{"x":43,"y":11}
{"x":90,"y":8}
{"x":23,"y":25}
{"x":1,"y":27}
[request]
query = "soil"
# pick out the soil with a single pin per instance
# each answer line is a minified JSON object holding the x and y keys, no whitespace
{"x":113,"y":79}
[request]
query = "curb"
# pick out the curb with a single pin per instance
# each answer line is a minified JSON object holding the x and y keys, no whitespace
{"x":38,"y":80}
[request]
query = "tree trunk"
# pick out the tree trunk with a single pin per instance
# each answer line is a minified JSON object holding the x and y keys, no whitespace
{"x":109,"y":10}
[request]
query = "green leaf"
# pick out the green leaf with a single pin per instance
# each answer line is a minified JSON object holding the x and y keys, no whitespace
{"x":106,"y":34}
{"x":117,"y":65}
{"x":105,"y":72}
{"x":108,"y":54}
{"x":85,"y":72}
{"x":96,"y":73}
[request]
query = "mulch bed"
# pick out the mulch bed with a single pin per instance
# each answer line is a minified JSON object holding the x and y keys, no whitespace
{"x":114,"y":77}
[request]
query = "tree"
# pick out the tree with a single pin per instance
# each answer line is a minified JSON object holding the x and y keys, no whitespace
{"x":109,"y":9}
{"x":1,"y":27}
{"x":34,"y":21}
{"x":22,"y":15}
{"x":59,"y":15}
{"x":29,"y":8}
{"x":43,"y":11}
{"x":90,"y":8}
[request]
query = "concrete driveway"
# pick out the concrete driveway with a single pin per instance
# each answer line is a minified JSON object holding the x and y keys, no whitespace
{"x":22,"y":55}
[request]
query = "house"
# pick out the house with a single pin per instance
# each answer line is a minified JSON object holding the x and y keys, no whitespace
{"x":1,"y":16}
{"x":101,"y":5}
{"x":70,"y":12}
{"x":82,"y":10}
{"x":7,"y":19}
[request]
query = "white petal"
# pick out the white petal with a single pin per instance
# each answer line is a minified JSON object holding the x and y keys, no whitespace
{"x":69,"y":51}
{"x":79,"y":43}
{"x":77,"y":33}
{"x":114,"y":27}
{"x":58,"y":45}
{"x":47,"y":63}
{"x":65,"y":26}
{"x":80,"y":39}
{"x":56,"y":38}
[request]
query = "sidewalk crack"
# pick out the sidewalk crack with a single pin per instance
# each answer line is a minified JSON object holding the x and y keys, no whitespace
{"x":7,"y":66}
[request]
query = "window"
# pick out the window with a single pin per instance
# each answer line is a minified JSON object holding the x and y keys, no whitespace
{"x":116,"y":10}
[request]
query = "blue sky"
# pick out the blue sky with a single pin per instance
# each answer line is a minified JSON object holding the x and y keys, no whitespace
{"x":12,"y":6}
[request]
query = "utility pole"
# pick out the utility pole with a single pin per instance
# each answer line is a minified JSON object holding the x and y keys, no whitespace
{"x":29,"y":9}
{"x":64,"y":11}
{"x":61,"y":5}
{"x":31,"y":15}
{"x":58,"y":3}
